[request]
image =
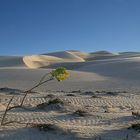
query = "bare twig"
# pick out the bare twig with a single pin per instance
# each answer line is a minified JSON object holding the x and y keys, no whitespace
{"x":7,"y":108}
{"x":40,"y":83}
{"x":43,"y":77}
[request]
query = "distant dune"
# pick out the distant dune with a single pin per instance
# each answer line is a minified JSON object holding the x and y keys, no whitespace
{"x":37,"y":61}
{"x":96,"y":100}
{"x":56,"y":58}
{"x":100,"y":55}
{"x":71,"y":59}
{"x":67,"y":55}
{"x":121,"y":67}
{"x":80,"y":54}
{"x":117,"y":66}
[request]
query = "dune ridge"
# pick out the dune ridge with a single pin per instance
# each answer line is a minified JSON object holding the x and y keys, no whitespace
{"x":44,"y":60}
{"x":37,"y":61}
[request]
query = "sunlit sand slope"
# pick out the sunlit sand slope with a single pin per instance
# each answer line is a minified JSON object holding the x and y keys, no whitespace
{"x":37,"y":61}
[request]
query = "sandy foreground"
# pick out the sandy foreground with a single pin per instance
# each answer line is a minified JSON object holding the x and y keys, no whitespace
{"x":96,"y":101}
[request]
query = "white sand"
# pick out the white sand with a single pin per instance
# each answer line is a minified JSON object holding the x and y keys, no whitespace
{"x":108,"y":116}
{"x":38,"y":61}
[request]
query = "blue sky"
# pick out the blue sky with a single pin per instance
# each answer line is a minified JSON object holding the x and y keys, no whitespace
{"x":41,"y":26}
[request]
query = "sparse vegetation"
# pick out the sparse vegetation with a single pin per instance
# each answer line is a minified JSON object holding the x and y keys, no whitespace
{"x":50,"y":96}
{"x":45,"y":127}
{"x":94,"y":96}
{"x":81,"y":113}
{"x":135,"y":126}
{"x":112,"y":93}
{"x":49,"y":127}
{"x":89,"y":92}
{"x":59,"y":74}
{"x":70,"y":94}
{"x":76,"y":91}
{"x":42,"y":105}
{"x":50,"y":102}
{"x":135,"y":114}
{"x":55,"y":101}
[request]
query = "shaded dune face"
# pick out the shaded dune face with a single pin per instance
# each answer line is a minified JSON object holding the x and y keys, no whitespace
{"x":11,"y":61}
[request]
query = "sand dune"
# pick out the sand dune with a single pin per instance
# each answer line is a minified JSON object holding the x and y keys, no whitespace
{"x":37,"y":61}
{"x":66,"y":55}
{"x":119,"y":69}
{"x":44,"y":60}
{"x":103,"y":85}
{"x":80,"y":54}
{"x":100,"y":55}
{"x":129,"y":53}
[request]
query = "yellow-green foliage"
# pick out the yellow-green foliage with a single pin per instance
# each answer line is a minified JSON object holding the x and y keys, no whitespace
{"x":60,"y":73}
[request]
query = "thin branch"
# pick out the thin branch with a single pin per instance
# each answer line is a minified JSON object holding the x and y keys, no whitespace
{"x":39,"y":84}
{"x":7,"y":108}
{"x":10,"y":108}
{"x":43,"y":77}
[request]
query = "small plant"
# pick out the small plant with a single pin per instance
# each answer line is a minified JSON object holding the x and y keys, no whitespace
{"x":49,"y":96}
{"x":80,"y":113}
{"x":49,"y":127}
{"x":94,"y":96}
{"x":55,"y":101}
{"x":46,"y":127}
{"x":70,"y":94}
{"x":89,"y":92}
{"x":59,"y":74}
{"x":135,"y":127}
{"x":135,"y":114}
{"x":76,"y":91}
{"x":112,"y":93}
{"x":42,"y":105}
